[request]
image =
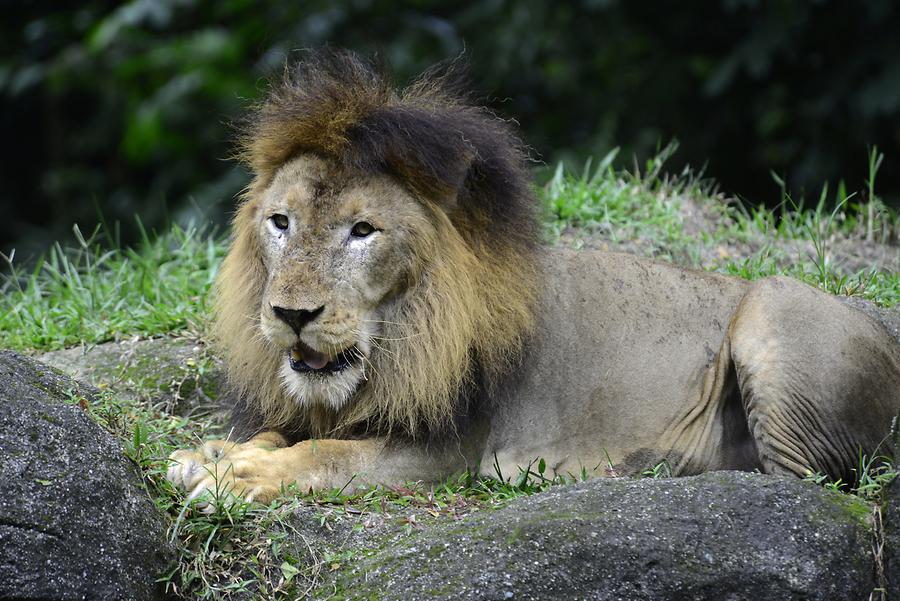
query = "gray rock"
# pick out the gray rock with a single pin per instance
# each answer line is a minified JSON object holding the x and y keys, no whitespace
{"x":722,"y":535}
{"x":75,"y":519}
{"x":891,"y":541}
{"x":179,"y":372}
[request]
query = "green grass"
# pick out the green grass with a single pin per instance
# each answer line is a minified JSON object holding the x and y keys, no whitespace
{"x":839,"y":244}
{"x":872,"y":476}
{"x":91,"y":294}
{"x":618,"y":205}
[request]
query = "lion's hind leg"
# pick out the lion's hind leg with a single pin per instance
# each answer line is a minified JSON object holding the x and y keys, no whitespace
{"x":819,"y":381}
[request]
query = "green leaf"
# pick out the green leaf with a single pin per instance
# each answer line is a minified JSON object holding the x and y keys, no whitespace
{"x":289,"y":571}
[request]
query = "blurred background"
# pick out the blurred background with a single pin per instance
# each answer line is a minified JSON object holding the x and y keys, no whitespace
{"x":111,"y":110}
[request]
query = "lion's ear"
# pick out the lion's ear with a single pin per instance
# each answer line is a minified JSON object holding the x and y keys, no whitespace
{"x":443,"y":182}
{"x":423,"y":146}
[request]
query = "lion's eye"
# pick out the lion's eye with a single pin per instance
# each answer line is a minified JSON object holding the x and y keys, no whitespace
{"x":362,"y":229}
{"x":280,"y":221}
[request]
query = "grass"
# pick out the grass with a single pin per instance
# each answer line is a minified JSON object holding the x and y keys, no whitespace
{"x":840,"y":243}
{"x":93,"y":293}
{"x":98,"y":291}
{"x":872,"y":476}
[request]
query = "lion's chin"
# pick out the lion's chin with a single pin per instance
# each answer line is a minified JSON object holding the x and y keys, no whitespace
{"x":331,"y":388}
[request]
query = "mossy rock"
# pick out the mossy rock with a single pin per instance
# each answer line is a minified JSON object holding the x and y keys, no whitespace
{"x":178,"y":372}
{"x":723,"y":535}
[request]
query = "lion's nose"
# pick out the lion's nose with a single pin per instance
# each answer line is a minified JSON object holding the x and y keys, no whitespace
{"x":297,"y":318}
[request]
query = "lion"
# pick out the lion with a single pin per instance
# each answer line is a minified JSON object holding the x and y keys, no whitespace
{"x":388,"y":314}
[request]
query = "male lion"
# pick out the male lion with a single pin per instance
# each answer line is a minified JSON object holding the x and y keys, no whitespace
{"x":388,"y":315}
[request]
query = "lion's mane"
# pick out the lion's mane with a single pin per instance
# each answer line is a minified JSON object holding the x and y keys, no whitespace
{"x":469,"y":307}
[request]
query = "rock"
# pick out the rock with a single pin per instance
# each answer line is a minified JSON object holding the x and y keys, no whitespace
{"x":721,"y":535}
{"x":179,"y":372}
{"x":75,"y":519}
{"x":891,"y":540}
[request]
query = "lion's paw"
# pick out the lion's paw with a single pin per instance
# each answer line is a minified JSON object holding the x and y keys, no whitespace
{"x":185,"y":465}
{"x":221,"y":472}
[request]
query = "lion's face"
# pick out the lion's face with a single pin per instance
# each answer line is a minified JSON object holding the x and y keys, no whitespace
{"x":337,"y":251}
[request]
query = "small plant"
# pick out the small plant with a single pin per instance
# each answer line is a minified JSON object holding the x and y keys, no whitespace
{"x":872,"y":477}
{"x":661,"y":470}
{"x":825,"y":481}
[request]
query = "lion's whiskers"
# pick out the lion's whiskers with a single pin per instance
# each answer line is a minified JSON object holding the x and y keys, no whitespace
{"x":362,"y":356}
{"x":357,"y":353}
{"x":401,"y":338}
{"x":391,"y":323}
{"x":374,"y":340}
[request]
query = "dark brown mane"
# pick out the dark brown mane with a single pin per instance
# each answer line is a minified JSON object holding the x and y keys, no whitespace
{"x":429,"y":136}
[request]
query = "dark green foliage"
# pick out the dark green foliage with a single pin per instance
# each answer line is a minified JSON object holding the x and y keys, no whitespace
{"x":126,"y":107}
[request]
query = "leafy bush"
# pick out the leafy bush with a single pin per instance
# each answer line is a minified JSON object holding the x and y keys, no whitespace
{"x":123,"y":109}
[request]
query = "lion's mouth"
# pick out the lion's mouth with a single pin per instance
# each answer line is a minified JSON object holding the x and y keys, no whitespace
{"x":305,"y":359}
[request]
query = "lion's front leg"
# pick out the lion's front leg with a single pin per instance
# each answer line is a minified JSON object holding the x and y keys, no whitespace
{"x":257,"y":470}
